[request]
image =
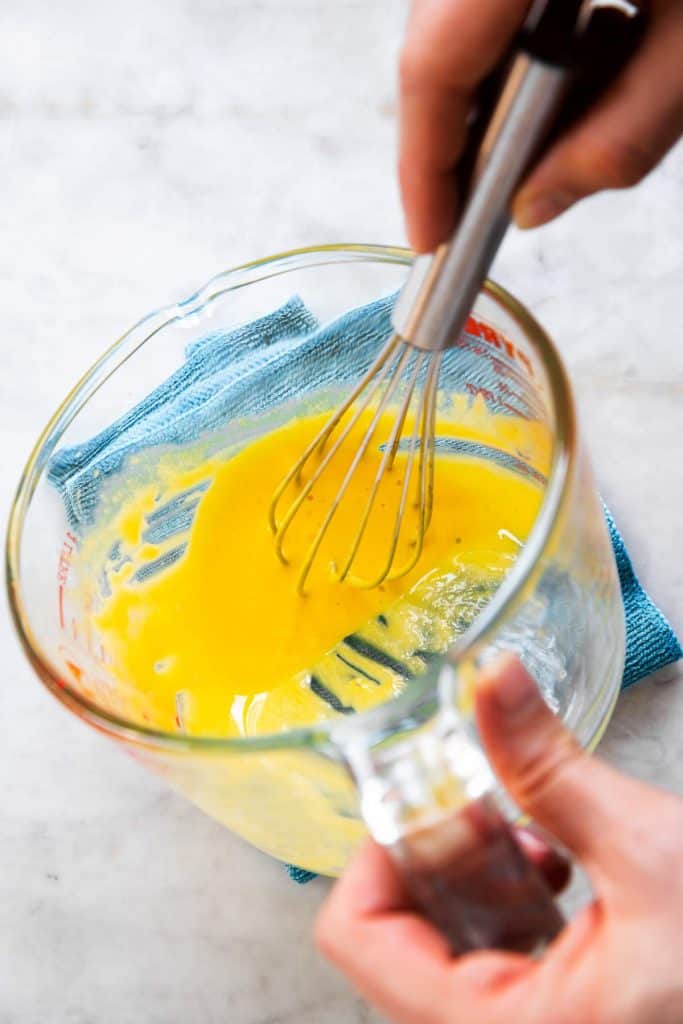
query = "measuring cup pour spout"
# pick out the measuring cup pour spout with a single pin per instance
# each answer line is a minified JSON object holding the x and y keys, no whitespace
{"x":428,"y":796}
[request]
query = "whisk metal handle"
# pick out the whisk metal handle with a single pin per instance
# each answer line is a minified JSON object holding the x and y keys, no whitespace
{"x":441,"y":289}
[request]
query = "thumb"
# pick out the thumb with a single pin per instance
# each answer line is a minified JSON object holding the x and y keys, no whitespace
{"x":579,"y":799}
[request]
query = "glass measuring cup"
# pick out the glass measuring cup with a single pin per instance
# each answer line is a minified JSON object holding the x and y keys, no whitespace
{"x":291,"y":793}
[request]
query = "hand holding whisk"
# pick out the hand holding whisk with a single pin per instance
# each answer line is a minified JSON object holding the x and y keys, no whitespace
{"x":519,"y":107}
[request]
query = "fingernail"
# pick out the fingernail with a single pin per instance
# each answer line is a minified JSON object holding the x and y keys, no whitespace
{"x":531,"y":213}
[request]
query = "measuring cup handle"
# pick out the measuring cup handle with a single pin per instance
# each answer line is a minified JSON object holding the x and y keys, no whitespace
{"x":469,"y":875}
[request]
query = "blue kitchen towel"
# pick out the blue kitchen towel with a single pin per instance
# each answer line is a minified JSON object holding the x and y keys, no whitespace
{"x":650,"y":641}
{"x":225,"y":374}
{"x":272,"y":360}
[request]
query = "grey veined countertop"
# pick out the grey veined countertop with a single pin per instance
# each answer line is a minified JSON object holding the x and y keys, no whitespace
{"x":142,"y":149}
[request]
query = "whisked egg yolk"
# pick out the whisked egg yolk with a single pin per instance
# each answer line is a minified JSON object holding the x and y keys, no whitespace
{"x":221,"y":643}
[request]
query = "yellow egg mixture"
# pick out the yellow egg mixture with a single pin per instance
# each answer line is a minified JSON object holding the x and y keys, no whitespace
{"x":220,"y":643}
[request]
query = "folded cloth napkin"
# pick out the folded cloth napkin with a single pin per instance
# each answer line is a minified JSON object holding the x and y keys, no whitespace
{"x":275,"y":359}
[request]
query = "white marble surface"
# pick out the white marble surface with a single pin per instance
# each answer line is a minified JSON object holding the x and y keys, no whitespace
{"x":143,"y":147}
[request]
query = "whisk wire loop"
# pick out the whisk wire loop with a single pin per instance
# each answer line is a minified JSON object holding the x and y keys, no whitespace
{"x":385,"y":466}
{"x":374,"y":394}
{"x":425,"y":502}
{"x":381,"y":367}
{"x":378,"y":370}
{"x":360,"y":452}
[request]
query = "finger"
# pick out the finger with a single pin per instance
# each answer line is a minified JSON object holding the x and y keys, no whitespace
{"x":617,"y":143}
{"x":449,"y":48}
{"x":579,"y":799}
{"x":398,"y":961}
{"x":553,"y":865}
{"x":391,"y":955}
{"x":432,"y":135}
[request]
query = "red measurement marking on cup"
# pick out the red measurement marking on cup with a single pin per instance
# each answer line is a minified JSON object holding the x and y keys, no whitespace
{"x":479,"y":329}
{"x":475,"y":390}
{"x":69,"y":545}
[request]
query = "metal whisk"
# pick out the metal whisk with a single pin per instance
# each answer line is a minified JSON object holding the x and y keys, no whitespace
{"x":396,"y":362}
{"x":516,"y":111}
